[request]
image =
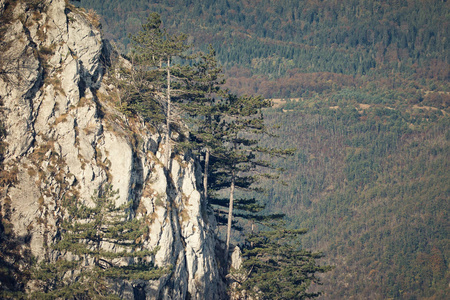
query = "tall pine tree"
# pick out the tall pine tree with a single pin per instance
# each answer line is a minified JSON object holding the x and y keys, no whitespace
{"x":236,"y":161}
{"x":155,"y":48}
{"x":203,"y":109}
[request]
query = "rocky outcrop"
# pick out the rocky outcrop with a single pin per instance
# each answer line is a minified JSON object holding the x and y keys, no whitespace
{"x":65,"y":139}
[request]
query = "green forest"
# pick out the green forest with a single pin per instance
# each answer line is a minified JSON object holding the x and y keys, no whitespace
{"x":361,"y":90}
{"x":372,"y":186}
{"x":258,"y":44}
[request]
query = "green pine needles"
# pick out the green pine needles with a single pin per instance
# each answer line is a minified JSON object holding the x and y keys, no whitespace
{"x":98,"y":244}
{"x":274,"y":266}
{"x":155,"y":51}
{"x":165,"y":84}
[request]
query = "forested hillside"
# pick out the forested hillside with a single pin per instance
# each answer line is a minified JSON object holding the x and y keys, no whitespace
{"x":369,"y":116}
{"x":259,"y":42}
{"x":371,"y":183}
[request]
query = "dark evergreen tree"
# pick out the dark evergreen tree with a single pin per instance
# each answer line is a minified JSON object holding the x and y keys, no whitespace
{"x":275,"y":267}
{"x":13,"y":255}
{"x":238,"y":163}
{"x":214,"y":115}
{"x":98,"y":243}
{"x":203,"y":109}
{"x":136,"y":90}
{"x":155,"y":48}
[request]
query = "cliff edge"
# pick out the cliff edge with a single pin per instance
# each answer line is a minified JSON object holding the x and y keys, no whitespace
{"x":64,"y":139}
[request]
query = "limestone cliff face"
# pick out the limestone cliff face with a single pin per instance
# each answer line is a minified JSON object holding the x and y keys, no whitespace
{"x":64,"y":139}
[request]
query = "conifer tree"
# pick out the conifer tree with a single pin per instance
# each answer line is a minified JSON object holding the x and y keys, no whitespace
{"x":136,"y":92}
{"x":203,"y":109}
{"x":155,"y":48}
{"x":98,"y":243}
{"x":214,"y":115}
{"x":13,"y":277}
{"x":235,"y":163}
{"x":275,"y":267}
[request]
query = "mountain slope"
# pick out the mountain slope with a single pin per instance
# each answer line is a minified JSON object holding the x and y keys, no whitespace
{"x":272,"y":39}
{"x":369,"y":117}
{"x":65,"y":140}
{"x":371,"y":184}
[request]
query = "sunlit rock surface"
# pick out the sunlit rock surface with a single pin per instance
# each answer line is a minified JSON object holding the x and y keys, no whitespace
{"x":66,"y":139}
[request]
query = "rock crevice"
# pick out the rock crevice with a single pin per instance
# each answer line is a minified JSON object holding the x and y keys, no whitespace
{"x":66,"y":139}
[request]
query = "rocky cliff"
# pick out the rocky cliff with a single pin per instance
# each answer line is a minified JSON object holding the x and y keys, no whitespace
{"x":65,"y":138}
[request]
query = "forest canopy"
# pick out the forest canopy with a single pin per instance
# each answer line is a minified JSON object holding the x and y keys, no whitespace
{"x":280,"y":39}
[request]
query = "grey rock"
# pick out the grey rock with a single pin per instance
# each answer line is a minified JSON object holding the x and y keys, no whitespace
{"x":64,"y":140}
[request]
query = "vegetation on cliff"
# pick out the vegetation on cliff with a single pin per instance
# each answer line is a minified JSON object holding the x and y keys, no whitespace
{"x":226,"y":130}
{"x":88,"y":248}
{"x":104,"y":237}
{"x":361,"y":90}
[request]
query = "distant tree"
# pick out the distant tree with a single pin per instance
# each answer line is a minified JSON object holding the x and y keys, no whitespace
{"x":97,"y":244}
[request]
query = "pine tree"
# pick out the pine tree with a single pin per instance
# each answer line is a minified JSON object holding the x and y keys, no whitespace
{"x":222,"y":125}
{"x":275,"y":267}
{"x":203,"y":109}
{"x":155,"y":48}
{"x":13,"y":277}
{"x":98,"y":243}
{"x":237,"y":162}
{"x":136,"y":92}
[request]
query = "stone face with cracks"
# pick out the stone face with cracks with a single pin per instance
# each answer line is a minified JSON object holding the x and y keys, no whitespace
{"x":63,"y":140}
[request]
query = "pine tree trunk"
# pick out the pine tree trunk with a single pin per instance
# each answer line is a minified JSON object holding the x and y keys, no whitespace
{"x":230,"y":215}
{"x":205,"y":175}
{"x":207,"y":154}
{"x":168,"y":117}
